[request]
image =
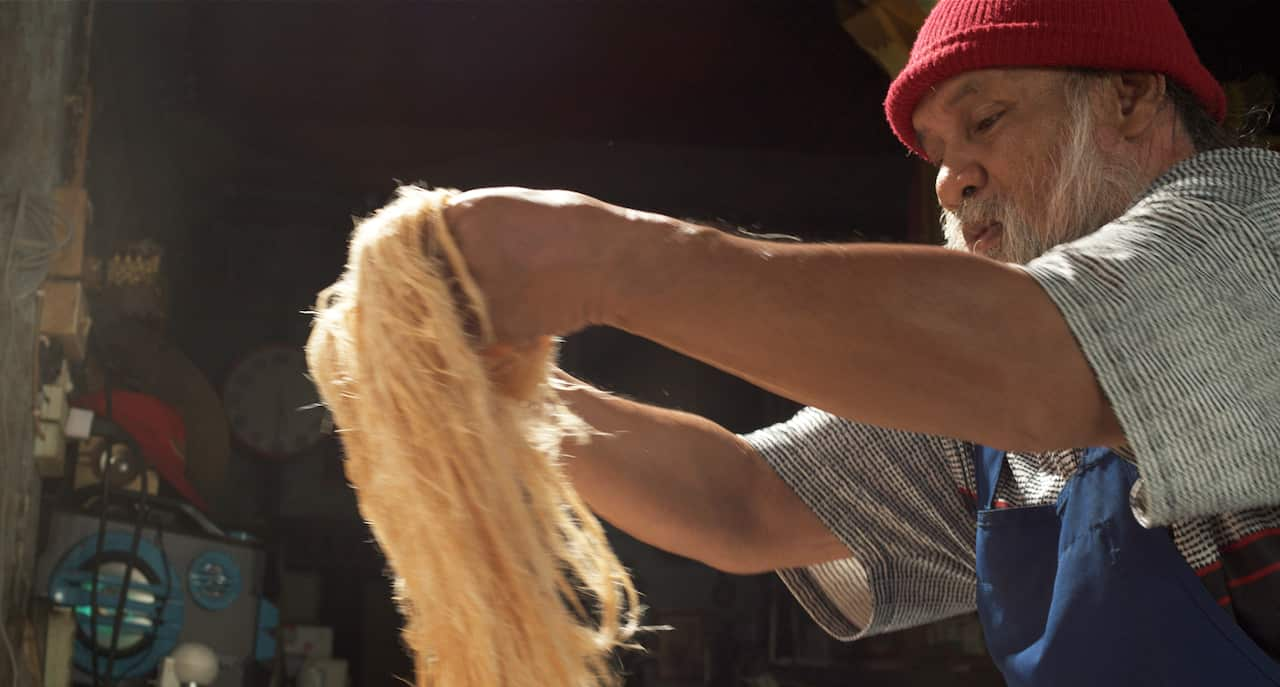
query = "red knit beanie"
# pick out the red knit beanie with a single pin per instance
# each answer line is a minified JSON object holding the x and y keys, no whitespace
{"x":1129,"y":35}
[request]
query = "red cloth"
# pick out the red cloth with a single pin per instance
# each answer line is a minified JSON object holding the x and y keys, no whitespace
{"x":965,"y":35}
{"x":158,"y":429}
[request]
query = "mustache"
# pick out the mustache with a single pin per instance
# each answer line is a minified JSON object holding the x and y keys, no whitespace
{"x":977,"y":211}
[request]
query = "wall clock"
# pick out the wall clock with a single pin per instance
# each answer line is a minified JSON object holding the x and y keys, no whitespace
{"x":272,"y":405}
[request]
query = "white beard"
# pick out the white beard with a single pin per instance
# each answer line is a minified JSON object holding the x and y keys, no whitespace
{"x":1084,"y":189}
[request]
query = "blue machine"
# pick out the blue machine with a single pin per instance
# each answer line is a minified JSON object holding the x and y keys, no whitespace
{"x":152,"y":616}
{"x":184,"y":588}
{"x":214,"y":580}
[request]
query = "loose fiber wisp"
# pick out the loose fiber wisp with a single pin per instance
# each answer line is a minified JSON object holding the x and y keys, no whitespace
{"x":504,"y":577}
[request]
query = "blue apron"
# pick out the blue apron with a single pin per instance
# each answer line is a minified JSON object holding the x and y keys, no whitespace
{"x":1078,"y":593}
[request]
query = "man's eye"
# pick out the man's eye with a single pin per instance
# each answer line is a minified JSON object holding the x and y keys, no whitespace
{"x":988,"y":122}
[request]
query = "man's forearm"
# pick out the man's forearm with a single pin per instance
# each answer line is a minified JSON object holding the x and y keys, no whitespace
{"x":917,"y":338}
{"x":686,"y":485}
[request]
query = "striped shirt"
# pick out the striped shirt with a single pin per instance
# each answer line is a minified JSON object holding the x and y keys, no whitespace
{"x":1176,"y":305}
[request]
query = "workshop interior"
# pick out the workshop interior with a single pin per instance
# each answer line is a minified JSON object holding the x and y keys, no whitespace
{"x":179,"y":180}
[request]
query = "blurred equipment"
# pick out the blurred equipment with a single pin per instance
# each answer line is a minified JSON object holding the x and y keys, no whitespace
{"x":58,"y":627}
{"x":195,"y":665}
{"x":323,"y":672}
{"x":130,"y":283}
{"x":186,"y":583}
{"x":52,"y":414}
{"x":304,"y":645}
{"x":158,"y":431}
{"x":132,"y":352}
{"x":884,"y":28}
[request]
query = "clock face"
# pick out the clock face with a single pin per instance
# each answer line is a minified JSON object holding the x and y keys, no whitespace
{"x":272,"y":405}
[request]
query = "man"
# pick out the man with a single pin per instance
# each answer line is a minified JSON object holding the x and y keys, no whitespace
{"x":1117,"y":288}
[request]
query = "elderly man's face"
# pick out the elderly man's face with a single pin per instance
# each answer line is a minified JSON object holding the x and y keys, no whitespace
{"x":1022,"y":166}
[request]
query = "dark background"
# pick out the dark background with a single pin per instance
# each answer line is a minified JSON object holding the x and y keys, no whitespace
{"x":243,"y":136}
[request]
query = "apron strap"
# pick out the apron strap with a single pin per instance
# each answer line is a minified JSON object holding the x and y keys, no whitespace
{"x":987,"y":463}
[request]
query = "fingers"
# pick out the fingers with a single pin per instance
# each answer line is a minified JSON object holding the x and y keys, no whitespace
{"x":533,"y":254}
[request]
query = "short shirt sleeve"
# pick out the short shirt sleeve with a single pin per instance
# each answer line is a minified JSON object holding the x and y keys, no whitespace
{"x":892,"y":498}
{"x":1176,"y":305}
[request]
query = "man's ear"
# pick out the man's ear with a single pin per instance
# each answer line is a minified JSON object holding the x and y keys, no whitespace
{"x":1136,"y":99}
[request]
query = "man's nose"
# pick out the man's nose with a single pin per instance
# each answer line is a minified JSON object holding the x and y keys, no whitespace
{"x":959,"y":181}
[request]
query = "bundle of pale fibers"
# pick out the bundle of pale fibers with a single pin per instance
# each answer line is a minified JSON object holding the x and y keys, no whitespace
{"x":505,"y":578}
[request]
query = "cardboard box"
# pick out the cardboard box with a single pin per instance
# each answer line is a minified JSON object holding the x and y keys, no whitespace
{"x":52,"y":411}
{"x":50,"y":442}
{"x":58,"y":625}
{"x":62,"y":307}
{"x":311,"y":641}
{"x":64,"y":316}
{"x":72,"y":207}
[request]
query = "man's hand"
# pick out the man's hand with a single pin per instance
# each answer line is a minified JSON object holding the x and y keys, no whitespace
{"x":545,"y":260}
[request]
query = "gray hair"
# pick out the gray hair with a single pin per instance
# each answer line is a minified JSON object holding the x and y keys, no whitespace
{"x":1205,"y":132}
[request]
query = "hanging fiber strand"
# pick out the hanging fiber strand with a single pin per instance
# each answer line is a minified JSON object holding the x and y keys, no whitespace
{"x":504,"y":577}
